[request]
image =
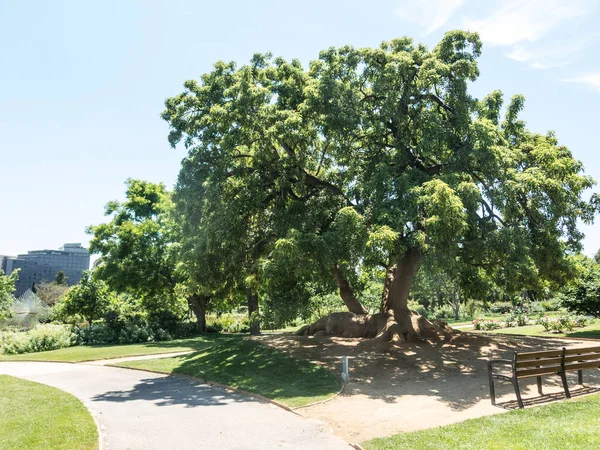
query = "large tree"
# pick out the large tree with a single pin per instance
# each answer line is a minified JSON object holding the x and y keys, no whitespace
{"x":370,"y":160}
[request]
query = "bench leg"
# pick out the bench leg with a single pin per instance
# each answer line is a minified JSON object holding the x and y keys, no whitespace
{"x":563,"y":376}
{"x":492,"y":391}
{"x":580,"y":377}
{"x":539,"y":385}
{"x":518,"y":392}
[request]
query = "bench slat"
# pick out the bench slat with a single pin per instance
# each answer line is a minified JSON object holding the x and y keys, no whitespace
{"x":592,"y":357}
{"x":539,"y":371}
{"x":539,"y":362}
{"x":534,"y":355}
{"x":572,"y":351}
{"x":583,"y":365}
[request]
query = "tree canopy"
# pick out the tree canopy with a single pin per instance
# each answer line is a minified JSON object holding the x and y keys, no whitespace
{"x":299,"y":180}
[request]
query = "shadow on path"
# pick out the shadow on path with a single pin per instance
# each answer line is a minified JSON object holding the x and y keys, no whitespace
{"x":173,"y":390}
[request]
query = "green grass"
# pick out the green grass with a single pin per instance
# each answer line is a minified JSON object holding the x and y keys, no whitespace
{"x":591,"y":331}
{"x":95,"y":352}
{"x":35,"y":416}
{"x":567,"y":425}
{"x":252,"y":367}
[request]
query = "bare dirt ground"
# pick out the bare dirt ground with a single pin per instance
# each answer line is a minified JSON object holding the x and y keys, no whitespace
{"x":394,"y":389}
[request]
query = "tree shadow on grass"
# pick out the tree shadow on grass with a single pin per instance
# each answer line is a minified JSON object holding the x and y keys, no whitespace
{"x":454,"y":371}
{"x":260,"y":369}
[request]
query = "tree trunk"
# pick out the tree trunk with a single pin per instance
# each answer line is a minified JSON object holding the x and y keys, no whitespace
{"x":198,"y":304}
{"x":253,"y":312}
{"x":396,"y":322}
{"x":347,"y":294}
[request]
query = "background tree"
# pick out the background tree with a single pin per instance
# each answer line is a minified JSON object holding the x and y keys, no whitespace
{"x":135,"y":248}
{"x":7,"y":287}
{"x":582,"y":296}
{"x":50,"y":293}
{"x":61,"y":278}
{"x":368,"y":162}
{"x":90,"y":299}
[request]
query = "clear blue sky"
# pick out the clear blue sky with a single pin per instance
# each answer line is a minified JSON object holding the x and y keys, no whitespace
{"x":82,"y":84}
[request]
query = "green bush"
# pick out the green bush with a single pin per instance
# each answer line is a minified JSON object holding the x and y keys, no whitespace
{"x":550,"y":305}
{"x":418,"y":308}
{"x":229,"y":323}
{"x":491,"y":324}
{"x":39,"y":339}
{"x":501,"y":308}
{"x":96,"y":334}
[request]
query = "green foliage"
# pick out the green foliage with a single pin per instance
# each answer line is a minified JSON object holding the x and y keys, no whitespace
{"x":368,"y":154}
{"x":135,"y":247}
{"x":61,"y":278}
{"x":90,"y":299}
{"x":39,"y":339}
{"x":228,"y":323}
{"x":7,"y":287}
{"x":583,"y":296}
{"x":516,"y":319}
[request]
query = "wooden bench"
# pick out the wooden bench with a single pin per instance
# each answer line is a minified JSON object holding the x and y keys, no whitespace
{"x":578,"y":359}
{"x":539,"y":364}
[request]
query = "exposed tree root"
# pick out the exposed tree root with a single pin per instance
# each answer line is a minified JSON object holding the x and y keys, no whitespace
{"x":386,"y":327}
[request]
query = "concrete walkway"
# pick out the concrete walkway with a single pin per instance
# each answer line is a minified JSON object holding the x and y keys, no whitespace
{"x":143,"y":410}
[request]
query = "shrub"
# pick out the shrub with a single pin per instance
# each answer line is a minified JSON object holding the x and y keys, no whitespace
{"x":501,"y":308}
{"x":486,"y":325}
{"x":95,"y":334}
{"x":418,"y":308}
{"x":550,"y":305}
{"x":536,"y":308}
{"x":510,"y":320}
{"x":132,"y":334}
{"x":491,"y":324}
{"x":545,"y":322}
{"x":567,"y":322}
{"x":229,"y":323}
{"x":39,"y":339}
{"x":477,"y":323}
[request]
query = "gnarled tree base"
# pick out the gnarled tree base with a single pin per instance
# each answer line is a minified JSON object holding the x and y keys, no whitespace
{"x":404,"y":327}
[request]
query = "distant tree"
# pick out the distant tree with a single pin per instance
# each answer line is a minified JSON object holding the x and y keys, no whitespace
{"x":50,"y":293}
{"x":7,"y":287}
{"x":597,"y":257}
{"x":583,"y":296}
{"x":61,"y":278}
{"x":90,"y":299}
{"x":135,"y":247}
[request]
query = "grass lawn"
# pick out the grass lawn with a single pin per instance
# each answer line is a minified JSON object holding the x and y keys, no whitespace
{"x":35,"y":416}
{"x":253,"y":367}
{"x":572,"y":424}
{"x":94,"y":352}
{"x":591,"y":331}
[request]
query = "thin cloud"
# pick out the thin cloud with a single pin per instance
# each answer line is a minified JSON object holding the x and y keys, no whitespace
{"x":591,"y":79}
{"x":550,"y":55}
{"x":429,"y":14}
{"x":517,"y":21}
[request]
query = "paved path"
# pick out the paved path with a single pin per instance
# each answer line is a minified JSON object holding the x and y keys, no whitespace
{"x":143,"y":410}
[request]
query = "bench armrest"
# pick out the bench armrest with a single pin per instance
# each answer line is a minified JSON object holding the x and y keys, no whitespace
{"x":498,"y":361}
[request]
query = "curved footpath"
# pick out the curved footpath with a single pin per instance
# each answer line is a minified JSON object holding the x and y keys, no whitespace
{"x":143,"y":410}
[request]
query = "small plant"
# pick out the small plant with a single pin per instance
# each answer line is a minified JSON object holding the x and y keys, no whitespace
{"x":545,"y":322}
{"x":477,"y":323}
{"x":510,"y":320}
{"x":567,"y":322}
{"x":488,"y":325}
